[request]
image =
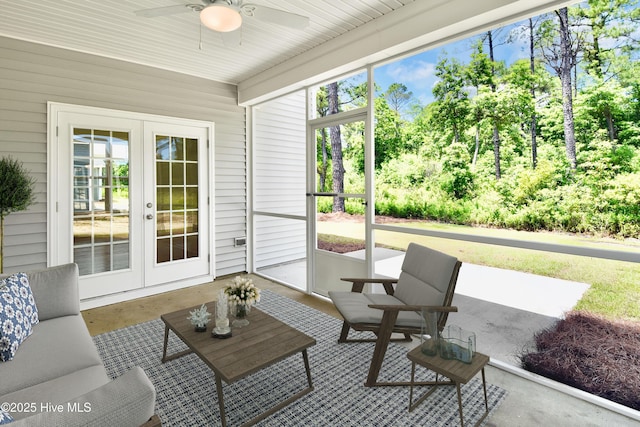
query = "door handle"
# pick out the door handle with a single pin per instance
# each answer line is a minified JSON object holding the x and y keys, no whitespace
{"x":149,"y":216}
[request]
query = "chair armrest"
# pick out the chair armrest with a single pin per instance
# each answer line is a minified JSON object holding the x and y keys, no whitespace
{"x":358,"y":283}
{"x":154,"y":421}
{"x":127,"y":401}
{"x":430,"y":308}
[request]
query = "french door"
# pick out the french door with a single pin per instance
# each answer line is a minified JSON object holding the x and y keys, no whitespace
{"x":176,"y":202}
{"x":131,"y":196}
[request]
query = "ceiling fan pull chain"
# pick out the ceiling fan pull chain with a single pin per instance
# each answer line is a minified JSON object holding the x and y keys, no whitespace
{"x":200,"y":41}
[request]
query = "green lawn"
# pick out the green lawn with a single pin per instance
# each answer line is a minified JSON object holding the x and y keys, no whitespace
{"x":615,"y":285}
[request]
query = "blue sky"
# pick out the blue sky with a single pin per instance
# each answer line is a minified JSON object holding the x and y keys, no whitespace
{"x":418,"y":71}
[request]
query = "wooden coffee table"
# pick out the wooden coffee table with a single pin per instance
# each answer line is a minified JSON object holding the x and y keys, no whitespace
{"x":262,"y":343}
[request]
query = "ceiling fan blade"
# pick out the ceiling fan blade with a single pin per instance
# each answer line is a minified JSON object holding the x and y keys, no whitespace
{"x":163,"y":11}
{"x":276,"y":16}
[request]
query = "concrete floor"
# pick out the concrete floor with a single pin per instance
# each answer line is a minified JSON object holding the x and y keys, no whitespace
{"x":530,"y":402}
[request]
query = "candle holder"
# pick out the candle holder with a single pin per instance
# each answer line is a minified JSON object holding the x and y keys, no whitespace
{"x":222,"y":329}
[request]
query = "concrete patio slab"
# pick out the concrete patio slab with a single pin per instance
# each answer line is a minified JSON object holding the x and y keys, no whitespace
{"x":538,"y":294}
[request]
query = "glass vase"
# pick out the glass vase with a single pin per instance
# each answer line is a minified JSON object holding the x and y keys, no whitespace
{"x":429,"y":336}
{"x":240,"y":312}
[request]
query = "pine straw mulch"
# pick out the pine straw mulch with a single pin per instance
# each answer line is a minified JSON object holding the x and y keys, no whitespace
{"x":340,"y":247}
{"x":592,"y":354}
{"x":343,"y":246}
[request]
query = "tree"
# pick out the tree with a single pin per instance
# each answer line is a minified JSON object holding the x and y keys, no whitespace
{"x":458,"y":180}
{"x":16,"y":194}
{"x":322,"y":106}
{"x":478,"y":73}
{"x":398,"y":97}
{"x":534,"y":120}
{"x":610,"y":34}
{"x":496,"y":133}
{"x":602,"y":104}
{"x":332,"y":99}
{"x":611,"y":31}
{"x":560,"y":51}
{"x":451,"y":107}
{"x":336,"y":148}
{"x":388,"y":142}
{"x":534,"y":84}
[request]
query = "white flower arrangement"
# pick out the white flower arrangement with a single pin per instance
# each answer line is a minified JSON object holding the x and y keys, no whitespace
{"x":242,"y":291}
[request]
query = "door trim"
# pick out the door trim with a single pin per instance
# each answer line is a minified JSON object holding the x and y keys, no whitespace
{"x":57,"y":255}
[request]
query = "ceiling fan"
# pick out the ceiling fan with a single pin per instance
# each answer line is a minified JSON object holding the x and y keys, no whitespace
{"x":226,"y":15}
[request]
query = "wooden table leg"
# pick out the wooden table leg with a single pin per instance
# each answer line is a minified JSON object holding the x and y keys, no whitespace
{"x":166,"y":341}
{"x":486,"y":403}
{"x":305,"y":357}
{"x":484,"y":387}
{"x":460,"y":405}
{"x":413,"y":377}
{"x":166,"y":358}
{"x":223,"y":417}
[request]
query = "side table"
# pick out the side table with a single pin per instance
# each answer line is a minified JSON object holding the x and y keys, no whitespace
{"x":458,"y":372}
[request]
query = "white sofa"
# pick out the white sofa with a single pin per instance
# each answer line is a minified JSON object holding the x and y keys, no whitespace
{"x":57,"y":378}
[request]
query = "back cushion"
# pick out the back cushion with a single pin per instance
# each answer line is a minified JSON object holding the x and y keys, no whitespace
{"x":425,"y":276}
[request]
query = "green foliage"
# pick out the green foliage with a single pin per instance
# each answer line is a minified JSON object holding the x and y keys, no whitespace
{"x":16,"y":194}
{"x":458,"y":179}
{"x":438,"y":162}
{"x":621,"y":204}
{"x":603,"y":159}
{"x":407,"y":171}
{"x":351,"y":206}
{"x":16,"y":187}
{"x":531,"y":182}
{"x":451,"y":107}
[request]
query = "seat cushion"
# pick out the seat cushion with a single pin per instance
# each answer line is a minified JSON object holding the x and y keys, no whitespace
{"x":57,"y":347}
{"x":425,"y":276}
{"x":354,"y":308}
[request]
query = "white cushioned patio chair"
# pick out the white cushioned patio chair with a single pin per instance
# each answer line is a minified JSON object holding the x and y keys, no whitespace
{"x":427,"y":281}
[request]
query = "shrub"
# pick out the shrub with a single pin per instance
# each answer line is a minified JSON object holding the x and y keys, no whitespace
{"x":408,"y":170}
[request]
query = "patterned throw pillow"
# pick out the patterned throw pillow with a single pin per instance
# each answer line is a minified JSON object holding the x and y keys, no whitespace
{"x":18,"y":314}
{"x":5,"y":417}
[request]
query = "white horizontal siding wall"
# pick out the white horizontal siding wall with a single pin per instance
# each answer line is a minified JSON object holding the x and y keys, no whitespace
{"x":279,"y":176}
{"x":33,"y":74}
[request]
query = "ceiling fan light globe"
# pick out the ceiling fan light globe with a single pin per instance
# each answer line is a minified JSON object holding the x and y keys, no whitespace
{"x":221,"y":18}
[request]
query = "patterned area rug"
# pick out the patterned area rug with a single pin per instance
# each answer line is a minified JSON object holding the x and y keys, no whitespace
{"x":186,"y":392}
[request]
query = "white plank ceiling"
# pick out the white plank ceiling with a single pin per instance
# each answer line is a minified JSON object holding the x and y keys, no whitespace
{"x":111,"y":28}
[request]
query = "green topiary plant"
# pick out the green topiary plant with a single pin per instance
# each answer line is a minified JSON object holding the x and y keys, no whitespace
{"x":16,"y":194}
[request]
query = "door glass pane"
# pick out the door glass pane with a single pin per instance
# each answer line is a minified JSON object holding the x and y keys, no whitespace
{"x":162,"y":173}
{"x":176,"y":198}
{"x":191,"y":149}
{"x":101,"y":226}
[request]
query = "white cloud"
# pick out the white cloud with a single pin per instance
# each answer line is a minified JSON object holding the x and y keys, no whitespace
{"x":412,"y":72}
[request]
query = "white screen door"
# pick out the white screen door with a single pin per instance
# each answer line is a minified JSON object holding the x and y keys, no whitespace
{"x":131,"y":199}
{"x":329,"y":264}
